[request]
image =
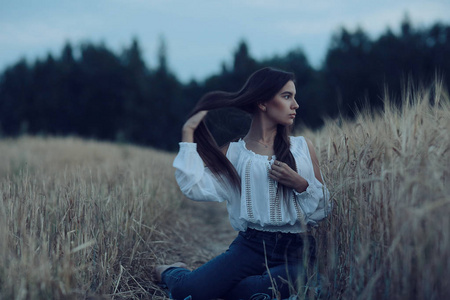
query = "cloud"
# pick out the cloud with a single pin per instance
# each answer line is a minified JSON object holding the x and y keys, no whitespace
{"x":34,"y":34}
{"x":201,"y":30}
{"x":374,"y":21}
{"x":289,"y":5}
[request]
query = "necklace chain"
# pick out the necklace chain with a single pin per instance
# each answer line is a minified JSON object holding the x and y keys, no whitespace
{"x":265,"y":145}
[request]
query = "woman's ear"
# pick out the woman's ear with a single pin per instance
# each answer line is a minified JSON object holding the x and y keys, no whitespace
{"x":262,"y":106}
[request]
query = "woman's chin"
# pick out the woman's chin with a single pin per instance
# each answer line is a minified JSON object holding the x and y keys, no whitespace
{"x":287,"y":123}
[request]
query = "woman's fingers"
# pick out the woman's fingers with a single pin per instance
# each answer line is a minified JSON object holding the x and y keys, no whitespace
{"x":279,"y":171}
{"x":280,"y":167}
{"x":274,"y":173}
{"x":191,"y":124}
{"x":282,"y":173}
{"x":278,"y":177}
{"x":277,"y":163}
{"x":194,"y":121}
{"x":285,"y":175}
{"x":197,"y":118}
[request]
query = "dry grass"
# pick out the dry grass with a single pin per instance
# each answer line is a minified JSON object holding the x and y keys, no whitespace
{"x":388,"y":236}
{"x":83,"y":219}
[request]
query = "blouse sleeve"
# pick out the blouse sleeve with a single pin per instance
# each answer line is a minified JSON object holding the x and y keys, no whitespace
{"x":195,"y":180}
{"x":315,"y":200}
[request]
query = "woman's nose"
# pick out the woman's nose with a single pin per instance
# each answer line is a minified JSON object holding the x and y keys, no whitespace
{"x":294,"y":104}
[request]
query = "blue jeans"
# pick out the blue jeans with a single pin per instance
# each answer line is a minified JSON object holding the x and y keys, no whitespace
{"x":256,"y":262}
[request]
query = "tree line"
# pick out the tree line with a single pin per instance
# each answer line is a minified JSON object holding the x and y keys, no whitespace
{"x":100,"y":94}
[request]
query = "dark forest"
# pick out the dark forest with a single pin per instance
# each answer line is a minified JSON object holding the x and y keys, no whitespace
{"x":116,"y":97}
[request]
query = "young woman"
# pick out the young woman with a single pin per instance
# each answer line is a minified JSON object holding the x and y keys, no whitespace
{"x":273,"y":188}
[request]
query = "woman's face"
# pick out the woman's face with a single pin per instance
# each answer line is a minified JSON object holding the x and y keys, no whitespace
{"x":281,"y":108}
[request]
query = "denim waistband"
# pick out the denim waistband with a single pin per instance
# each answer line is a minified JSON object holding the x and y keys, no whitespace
{"x":276,"y":236}
{"x":287,"y":228}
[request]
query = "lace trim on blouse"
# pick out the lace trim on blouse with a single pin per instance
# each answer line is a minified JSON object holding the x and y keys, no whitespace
{"x":248,"y":191}
{"x":274,"y":200}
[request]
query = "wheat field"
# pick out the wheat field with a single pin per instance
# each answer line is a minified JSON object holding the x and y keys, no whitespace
{"x":388,"y":236}
{"x":82,"y":219}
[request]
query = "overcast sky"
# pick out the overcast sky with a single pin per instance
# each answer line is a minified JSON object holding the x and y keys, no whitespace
{"x":200,"y":35}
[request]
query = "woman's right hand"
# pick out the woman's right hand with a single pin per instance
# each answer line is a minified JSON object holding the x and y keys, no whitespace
{"x":192,"y":124}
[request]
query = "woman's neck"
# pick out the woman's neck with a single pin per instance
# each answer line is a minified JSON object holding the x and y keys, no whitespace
{"x":262,"y":131}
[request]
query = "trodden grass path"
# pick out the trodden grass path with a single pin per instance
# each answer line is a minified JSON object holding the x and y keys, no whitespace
{"x":209,"y":234}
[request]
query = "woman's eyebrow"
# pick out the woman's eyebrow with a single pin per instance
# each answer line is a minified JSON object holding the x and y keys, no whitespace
{"x":287,"y":92}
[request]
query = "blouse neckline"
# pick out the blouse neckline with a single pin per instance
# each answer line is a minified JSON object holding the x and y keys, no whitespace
{"x":259,"y":156}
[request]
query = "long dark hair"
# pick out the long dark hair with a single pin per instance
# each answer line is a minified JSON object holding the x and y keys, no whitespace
{"x":260,"y":87}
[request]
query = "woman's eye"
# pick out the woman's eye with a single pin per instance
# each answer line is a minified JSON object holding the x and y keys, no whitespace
{"x":287,"y":97}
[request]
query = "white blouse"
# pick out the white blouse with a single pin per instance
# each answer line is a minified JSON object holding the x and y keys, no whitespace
{"x":257,"y":205}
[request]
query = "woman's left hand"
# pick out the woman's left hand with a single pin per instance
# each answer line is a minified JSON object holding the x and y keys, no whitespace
{"x":284,"y":174}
